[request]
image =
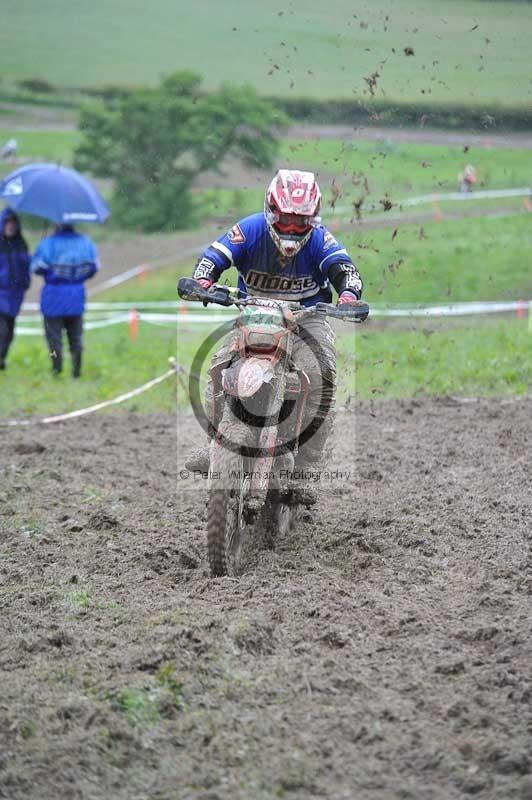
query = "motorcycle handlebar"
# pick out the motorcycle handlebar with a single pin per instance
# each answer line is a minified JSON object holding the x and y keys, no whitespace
{"x":357,"y":311}
{"x":190,"y":289}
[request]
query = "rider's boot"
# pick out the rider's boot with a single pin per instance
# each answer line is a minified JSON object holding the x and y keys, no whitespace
{"x":303,"y":486}
{"x":309,"y":463}
{"x":199,"y":460}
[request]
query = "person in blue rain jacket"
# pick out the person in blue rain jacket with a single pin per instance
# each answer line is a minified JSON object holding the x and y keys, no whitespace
{"x":66,"y":259}
{"x":14,"y":277}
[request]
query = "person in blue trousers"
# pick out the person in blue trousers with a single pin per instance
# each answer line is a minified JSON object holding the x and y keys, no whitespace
{"x":66,"y":259}
{"x":14,"y":277}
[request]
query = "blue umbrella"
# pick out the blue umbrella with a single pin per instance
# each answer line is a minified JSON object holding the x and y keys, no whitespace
{"x":56,"y":193}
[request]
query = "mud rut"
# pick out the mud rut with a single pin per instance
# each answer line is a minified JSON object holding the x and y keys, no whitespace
{"x":383,"y":651}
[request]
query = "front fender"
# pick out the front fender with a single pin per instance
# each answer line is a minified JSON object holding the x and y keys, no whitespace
{"x":245,"y":378}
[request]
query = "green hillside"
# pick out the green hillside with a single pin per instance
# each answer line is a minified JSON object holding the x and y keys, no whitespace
{"x":465,"y":51}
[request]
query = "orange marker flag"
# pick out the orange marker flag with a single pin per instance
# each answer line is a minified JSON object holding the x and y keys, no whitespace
{"x":133,"y":324}
{"x":438,"y":216}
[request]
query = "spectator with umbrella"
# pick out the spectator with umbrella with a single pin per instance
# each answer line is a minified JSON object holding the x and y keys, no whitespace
{"x":66,"y":259}
{"x":14,"y":277}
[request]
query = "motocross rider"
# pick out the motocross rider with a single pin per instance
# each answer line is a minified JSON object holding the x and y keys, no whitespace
{"x":467,"y":179}
{"x":284,"y":252}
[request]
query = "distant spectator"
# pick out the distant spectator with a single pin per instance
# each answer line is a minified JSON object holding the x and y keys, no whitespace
{"x":467,"y":179}
{"x":9,"y":149}
{"x":14,"y":277}
{"x":66,"y":259}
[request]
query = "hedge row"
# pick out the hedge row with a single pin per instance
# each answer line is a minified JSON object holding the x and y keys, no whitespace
{"x":391,"y":114}
{"x":384,"y":113}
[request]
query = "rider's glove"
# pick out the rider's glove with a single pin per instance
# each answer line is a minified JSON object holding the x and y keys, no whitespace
{"x":346,"y":297}
{"x":205,"y":283}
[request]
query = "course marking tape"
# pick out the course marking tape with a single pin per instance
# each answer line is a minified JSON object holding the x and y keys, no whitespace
{"x":453,"y":310}
{"x":379,"y":310}
{"x":89,"y":325}
{"x":118,"y":306}
{"x":462,"y":309}
{"x":176,"y":369}
{"x":485,"y":194}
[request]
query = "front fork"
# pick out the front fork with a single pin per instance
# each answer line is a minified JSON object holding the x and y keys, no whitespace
{"x":263,"y":463}
{"x":282,"y":437}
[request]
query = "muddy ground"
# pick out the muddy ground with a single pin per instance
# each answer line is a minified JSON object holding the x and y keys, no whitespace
{"x":383,"y":651}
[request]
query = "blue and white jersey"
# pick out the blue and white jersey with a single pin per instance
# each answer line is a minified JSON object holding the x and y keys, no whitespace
{"x":263,"y":271}
{"x":66,"y":259}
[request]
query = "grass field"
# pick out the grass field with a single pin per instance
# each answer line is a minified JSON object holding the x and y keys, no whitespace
{"x":453,"y":260}
{"x":41,"y":145}
{"x":488,"y":358}
{"x":485,"y":358}
{"x":464,"y":51}
{"x":405,"y":169}
{"x":346,"y":170}
{"x":458,"y":260}
{"x":113,"y":365}
{"x":349,"y":171}
{"x":467,"y":259}
{"x":395,"y":169}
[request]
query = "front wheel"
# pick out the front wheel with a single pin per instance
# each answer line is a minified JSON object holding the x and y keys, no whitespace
{"x":225,"y":513}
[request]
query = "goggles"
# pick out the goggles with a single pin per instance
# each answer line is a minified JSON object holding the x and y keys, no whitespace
{"x":292,"y":223}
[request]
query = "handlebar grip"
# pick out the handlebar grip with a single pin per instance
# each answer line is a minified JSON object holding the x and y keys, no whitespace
{"x":351,"y":312}
{"x":190,"y":289}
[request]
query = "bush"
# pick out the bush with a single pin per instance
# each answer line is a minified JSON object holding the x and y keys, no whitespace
{"x":37,"y":85}
{"x":155,"y":142}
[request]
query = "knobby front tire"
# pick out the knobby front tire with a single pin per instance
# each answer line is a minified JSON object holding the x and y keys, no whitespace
{"x":224,"y":512}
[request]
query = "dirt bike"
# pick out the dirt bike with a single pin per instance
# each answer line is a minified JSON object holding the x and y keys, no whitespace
{"x":259,"y":404}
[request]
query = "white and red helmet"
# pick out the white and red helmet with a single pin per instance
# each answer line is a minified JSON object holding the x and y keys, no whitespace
{"x":292,"y":208}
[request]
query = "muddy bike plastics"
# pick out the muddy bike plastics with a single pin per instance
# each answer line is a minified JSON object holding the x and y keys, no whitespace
{"x":257,"y":418}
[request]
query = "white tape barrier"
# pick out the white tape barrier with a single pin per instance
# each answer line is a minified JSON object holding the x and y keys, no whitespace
{"x":118,"y":306}
{"x":185,"y":313}
{"x":89,"y":325}
{"x":464,"y":309}
{"x":454,"y":310}
{"x":97,"y":407}
{"x":487,"y":194}
{"x":437,"y":197}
